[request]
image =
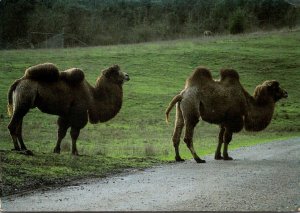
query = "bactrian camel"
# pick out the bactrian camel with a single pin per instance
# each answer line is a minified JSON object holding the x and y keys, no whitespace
{"x":66,"y":94}
{"x":224,"y":102}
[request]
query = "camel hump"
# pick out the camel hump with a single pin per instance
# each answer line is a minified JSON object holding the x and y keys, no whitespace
{"x":42,"y":72}
{"x":200,"y":75}
{"x":203,"y":72}
{"x":229,"y":74}
{"x":72,"y":76}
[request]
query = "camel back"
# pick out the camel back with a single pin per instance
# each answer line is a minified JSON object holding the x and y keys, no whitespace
{"x":72,"y":76}
{"x":47,"y":72}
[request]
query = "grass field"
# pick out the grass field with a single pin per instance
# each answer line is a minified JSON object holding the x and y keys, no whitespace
{"x":138,"y":136}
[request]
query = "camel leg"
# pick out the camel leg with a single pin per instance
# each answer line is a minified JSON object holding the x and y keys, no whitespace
{"x":12,"y":126}
{"x":19,"y":135}
{"x":179,"y":123}
{"x":20,"y":139}
{"x":218,"y":155}
{"x":188,"y":139}
{"x":227,"y":138}
{"x":63,"y":126}
{"x":74,"y":135}
{"x":15,"y":128}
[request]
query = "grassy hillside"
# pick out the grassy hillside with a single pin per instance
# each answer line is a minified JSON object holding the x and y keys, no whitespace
{"x":138,"y":136}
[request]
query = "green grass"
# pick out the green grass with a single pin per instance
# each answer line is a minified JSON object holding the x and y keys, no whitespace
{"x":138,"y":136}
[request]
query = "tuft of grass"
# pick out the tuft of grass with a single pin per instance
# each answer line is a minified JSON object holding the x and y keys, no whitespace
{"x":150,"y":150}
{"x":138,"y":136}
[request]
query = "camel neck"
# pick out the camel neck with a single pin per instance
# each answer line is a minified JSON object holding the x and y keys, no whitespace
{"x":259,"y":114}
{"x":107,"y":101}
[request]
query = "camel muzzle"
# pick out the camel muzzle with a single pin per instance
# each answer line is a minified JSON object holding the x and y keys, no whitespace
{"x":284,"y":94}
{"x":126,"y":77}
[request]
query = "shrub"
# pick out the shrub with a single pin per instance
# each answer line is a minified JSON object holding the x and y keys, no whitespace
{"x":237,"y":22}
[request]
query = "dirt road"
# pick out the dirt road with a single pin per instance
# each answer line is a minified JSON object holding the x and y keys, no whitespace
{"x":263,"y":177}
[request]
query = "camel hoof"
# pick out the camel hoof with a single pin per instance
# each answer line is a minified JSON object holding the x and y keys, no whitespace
{"x":179,"y":159}
{"x":26,"y":152}
{"x":228,"y":158}
{"x":198,"y":160}
{"x":75,"y":153}
{"x":57,"y":151}
{"x":218,"y":157}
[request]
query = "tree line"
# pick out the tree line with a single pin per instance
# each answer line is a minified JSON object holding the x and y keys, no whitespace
{"x":25,"y":23}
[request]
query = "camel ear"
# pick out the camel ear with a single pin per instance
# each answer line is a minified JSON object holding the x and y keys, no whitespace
{"x":273,"y":85}
{"x":115,"y":67}
{"x":111,"y":71}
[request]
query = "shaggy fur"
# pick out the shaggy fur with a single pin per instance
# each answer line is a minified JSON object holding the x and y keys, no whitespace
{"x":73,"y":76}
{"x":42,"y":72}
{"x":70,"y":97}
{"x":224,"y":102}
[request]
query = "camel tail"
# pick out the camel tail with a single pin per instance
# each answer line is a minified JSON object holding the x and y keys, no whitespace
{"x":10,"y":104}
{"x":176,"y":99}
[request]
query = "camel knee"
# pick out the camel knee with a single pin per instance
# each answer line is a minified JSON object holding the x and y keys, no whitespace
{"x":176,"y":136}
{"x":176,"y":141}
{"x":189,"y":133}
{"x":15,"y":128}
{"x":177,"y":132}
{"x":12,"y":129}
{"x":61,"y":133}
{"x":74,"y":134}
{"x":192,"y":121}
{"x":227,"y":137}
{"x":188,"y":141}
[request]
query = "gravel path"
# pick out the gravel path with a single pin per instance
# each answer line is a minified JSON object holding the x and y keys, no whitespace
{"x":265,"y":177}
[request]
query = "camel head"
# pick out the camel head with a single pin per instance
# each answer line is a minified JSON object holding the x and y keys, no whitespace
{"x":115,"y":75}
{"x":271,"y":89}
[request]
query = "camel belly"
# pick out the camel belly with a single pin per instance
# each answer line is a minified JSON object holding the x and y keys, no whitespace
{"x":211,"y":114}
{"x":235,"y":124}
{"x":58,"y":98}
{"x":52,"y":107}
{"x":230,"y":118}
{"x":53,"y":100}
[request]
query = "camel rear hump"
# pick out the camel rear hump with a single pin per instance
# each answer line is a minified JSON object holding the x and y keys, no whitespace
{"x":42,"y":72}
{"x":72,"y":76}
{"x":229,"y":75}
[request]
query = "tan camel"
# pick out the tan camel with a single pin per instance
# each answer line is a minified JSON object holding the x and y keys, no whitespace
{"x":224,"y":102}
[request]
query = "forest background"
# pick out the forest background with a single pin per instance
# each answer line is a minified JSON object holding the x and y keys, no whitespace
{"x":29,"y":23}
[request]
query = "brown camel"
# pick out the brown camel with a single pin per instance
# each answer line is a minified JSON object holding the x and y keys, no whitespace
{"x":224,"y":102}
{"x":66,"y":94}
